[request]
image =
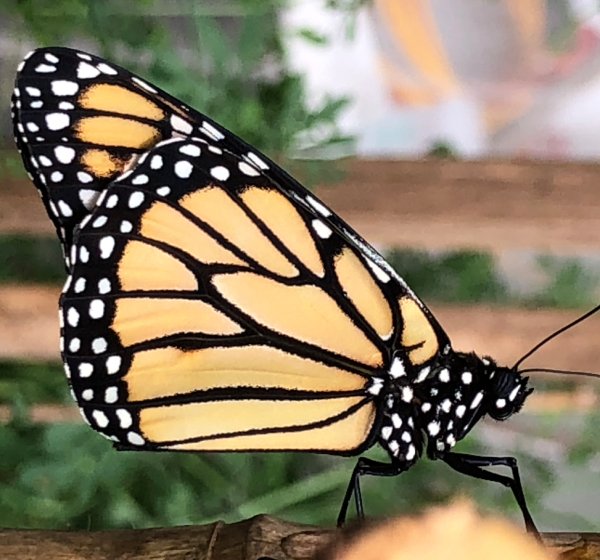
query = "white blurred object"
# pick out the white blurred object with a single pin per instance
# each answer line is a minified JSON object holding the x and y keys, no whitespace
{"x":484,"y":77}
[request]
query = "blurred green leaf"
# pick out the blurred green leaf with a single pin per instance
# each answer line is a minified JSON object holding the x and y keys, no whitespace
{"x":31,"y":259}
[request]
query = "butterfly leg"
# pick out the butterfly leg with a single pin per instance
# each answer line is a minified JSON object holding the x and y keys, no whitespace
{"x":472,"y":465}
{"x":364,"y":466}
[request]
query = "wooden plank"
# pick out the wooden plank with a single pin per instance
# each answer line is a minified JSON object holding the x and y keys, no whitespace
{"x":29,"y":330}
{"x":435,"y":204}
{"x":492,"y":205}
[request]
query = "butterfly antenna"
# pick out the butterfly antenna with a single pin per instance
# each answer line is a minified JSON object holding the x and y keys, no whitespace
{"x":555,"y":334}
{"x":561,"y":371}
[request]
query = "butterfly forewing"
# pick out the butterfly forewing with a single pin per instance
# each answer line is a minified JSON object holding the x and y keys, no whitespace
{"x":80,"y":122}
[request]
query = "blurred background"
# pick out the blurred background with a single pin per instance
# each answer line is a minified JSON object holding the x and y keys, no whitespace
{"x":460,"y":138}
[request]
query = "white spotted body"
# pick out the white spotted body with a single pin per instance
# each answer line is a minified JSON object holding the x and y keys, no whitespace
{"x":447,"y":400}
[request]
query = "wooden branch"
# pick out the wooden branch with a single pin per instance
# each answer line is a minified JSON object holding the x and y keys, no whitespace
{"x":255,"y":538}
{"x":262,"y":537}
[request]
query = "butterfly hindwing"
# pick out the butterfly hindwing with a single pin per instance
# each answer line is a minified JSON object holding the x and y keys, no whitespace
{"x":197,"y":285}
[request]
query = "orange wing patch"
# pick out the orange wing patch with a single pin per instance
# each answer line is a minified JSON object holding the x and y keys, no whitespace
{"x":168,"y":371}
{"x":207,"y":419}
{"x":417,"y":332}
{"x":118,"y":99}
{"x":345,"y":434}
{"x":217,"y":209}
{"x":116,"y":131}
{"x":280,"y":216}
{"x":140,"y":319}
{"x":161,"y":222}
{"x":144,"y":267}
{"x":305,"y":313}
{"x":364,"y":293}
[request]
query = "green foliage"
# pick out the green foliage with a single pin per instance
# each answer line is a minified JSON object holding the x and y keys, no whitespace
{"x":457,"y":276}
{"x":30,"y":259}
{"x":570,"y":285}
{"x":472,"y":277}
{"x":67,"y":476}
{"x":29,"y":383}
{"x":442,"y":150}
{"x":232,"y":69}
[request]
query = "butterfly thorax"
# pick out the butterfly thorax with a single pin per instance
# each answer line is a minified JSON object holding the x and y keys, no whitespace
{"x":438,"y":409}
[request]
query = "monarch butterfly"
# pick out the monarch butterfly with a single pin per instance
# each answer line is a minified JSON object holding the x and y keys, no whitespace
{"x":214,"y":304}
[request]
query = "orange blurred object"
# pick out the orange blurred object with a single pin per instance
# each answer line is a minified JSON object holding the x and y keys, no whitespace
{"x":454,"y":532}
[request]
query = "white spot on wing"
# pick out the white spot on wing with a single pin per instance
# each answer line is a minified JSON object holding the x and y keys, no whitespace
{"x":257,"y":161}
{"x":125,"y":419}
{"x":211,"y":131}
{"x":113,"y":363}
{"x":106,"y":245}
{"x":183,"y":169}
{"x":322,"y":230}
{"x":88,"y":198}
{"x":397,"y":369}
{"x":63,"y":88}
{"x":181,"y":125}
{"x":318,"y":206}
{"x":106,"y":69}
{"x":407,"y":394}
{"x":378,"y":271}
{"x":85,"y":369}
{"x":96,"y":309}
{"x":135,"y":439}
{"x":85,"y":70}
{"x":99,"y":345}
{"x":143,"y":84}
{"x":135,"y":199}
{"x":433,"y":428}
{"x":190,"y":150}
{"x":45,"y":68}
{"x":65,"y":209}
{"x":57,"y":121}
{"x":111,"y":395}
{"x":64,"y":154}
{"x":220,"y":173}
{"x":100,"y":418}
{"x":248,"y":169}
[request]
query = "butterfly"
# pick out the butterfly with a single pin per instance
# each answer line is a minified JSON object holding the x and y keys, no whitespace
{"x":214,"y":304}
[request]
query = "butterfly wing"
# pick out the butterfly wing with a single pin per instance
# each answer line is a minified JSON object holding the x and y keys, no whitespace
{"x":207,"y":311}
{"x":213,"y":303}
{"x":79,"y":122}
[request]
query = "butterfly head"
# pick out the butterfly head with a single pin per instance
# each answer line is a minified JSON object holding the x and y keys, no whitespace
{"x":507,"y":390}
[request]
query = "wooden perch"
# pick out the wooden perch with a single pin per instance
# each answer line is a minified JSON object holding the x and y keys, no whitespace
{"x":262,"y":537}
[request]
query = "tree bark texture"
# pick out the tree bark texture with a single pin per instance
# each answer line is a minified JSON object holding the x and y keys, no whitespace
{"x":260,"y":538}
